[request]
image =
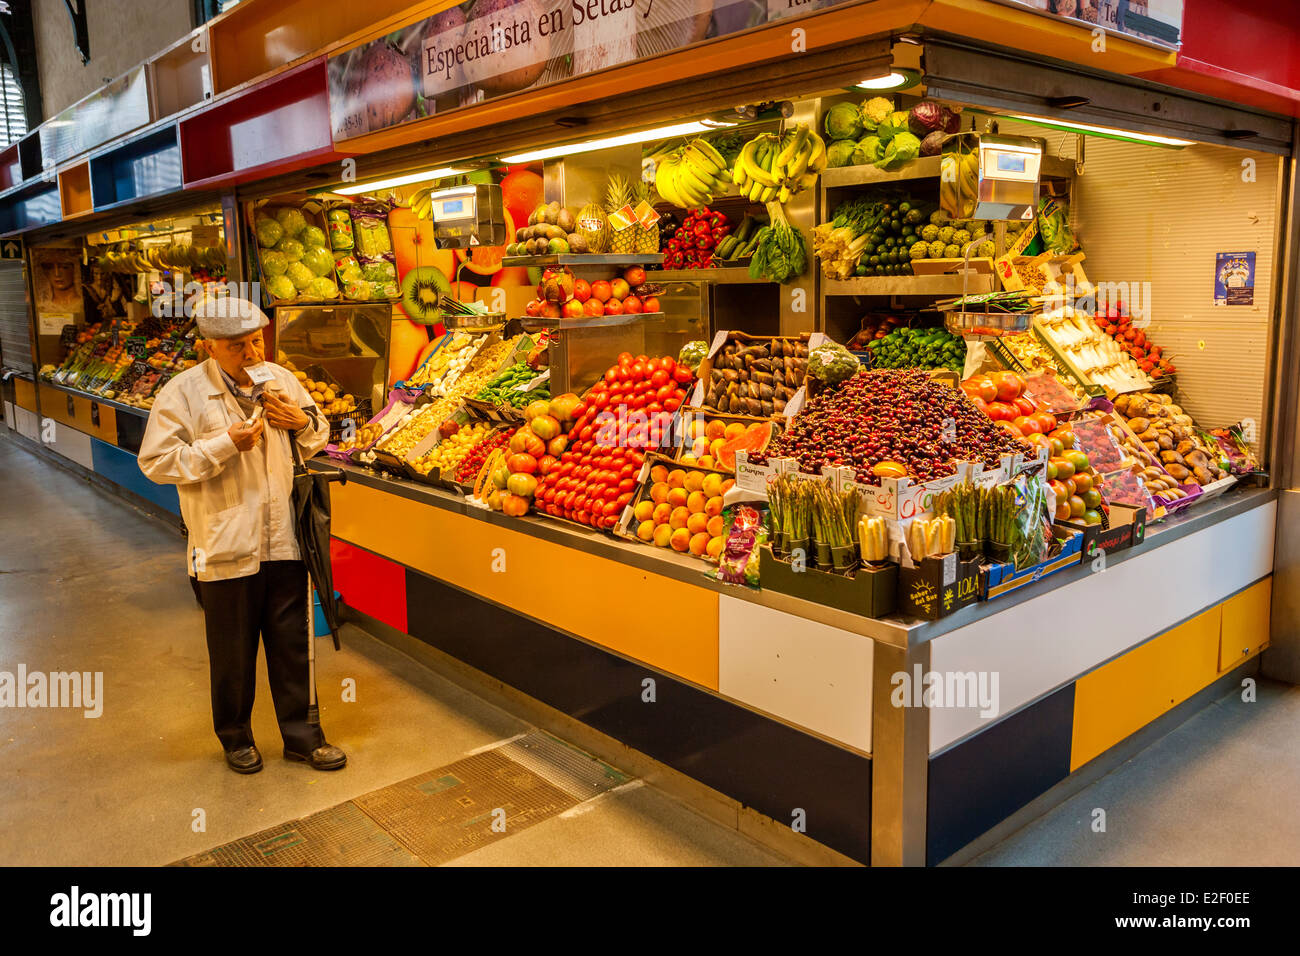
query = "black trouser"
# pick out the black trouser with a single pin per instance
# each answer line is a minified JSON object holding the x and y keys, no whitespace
{"x":272,"y":602}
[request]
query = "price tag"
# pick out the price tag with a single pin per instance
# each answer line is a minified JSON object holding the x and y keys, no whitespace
{"x":134,"y":345}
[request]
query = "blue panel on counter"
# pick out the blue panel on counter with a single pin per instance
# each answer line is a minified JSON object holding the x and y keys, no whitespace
{"x":980,"y":781}
{"x":145,"y":166}
{"x":30,"y":207}
{"x":121,"y":467}
{"x":758,"y":761}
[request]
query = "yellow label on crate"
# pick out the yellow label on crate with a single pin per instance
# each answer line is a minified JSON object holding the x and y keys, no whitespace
{"x":1005,"y":265}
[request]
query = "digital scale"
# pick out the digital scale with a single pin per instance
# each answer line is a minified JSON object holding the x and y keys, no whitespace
{"x":997,"y":177}
{"x":465,"y":216}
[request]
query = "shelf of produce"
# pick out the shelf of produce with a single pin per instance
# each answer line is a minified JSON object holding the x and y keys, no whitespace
{"x":99,"y":399}
{"x":724,"y":275}
{"x":894,"y":630}
{"x":933,"y":285}
{"x":537,"y":323}
{"x":925,"y":167}
{"x":572,"y":259}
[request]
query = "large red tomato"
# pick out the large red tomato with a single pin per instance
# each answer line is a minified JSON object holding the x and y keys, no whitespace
{"x":980,"y":386}
{"x":1001,"y":411}
{"x":1046,"y":421}
{"x":1025,"y":425}
{"x":1024,"y":405}
{"x":1009,"y":386}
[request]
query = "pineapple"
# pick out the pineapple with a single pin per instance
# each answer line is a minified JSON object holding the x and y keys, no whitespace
{"x":647,"y":240}
{"x":618,"y":193}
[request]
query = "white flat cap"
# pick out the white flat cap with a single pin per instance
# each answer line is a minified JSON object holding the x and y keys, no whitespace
{"x":228,"y":317}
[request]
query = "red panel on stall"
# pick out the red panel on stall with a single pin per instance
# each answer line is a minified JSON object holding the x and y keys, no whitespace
{"x":1241,"y":52}
{"x":273,"y":127}
{"x":369,"y":583}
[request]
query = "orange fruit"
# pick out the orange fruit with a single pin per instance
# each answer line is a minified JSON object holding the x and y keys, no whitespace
{"x":714,"y":547}
{"x":715,"y":429}
{"x":677,"y":497}
{"x":697,"y":523}
{"x":693,"y":481}
{"x":712,"y":485}
{"x":659,"y":492}
{"x":715,"y":447}
{"x":676,"y":478}
{"x":707,"y":462}
{"x":696,"y":502}
{"x":646,"y":530}
{"x":698,"y":543}
{"x":714,"y":526}
{"x":688,"y":459}
{"x":644,"y":510}
{"x":680,"y":540}
{"x":734,"y":430}
{"x":700,"y":447}
{"x":661,"y":513}
{"x":663,"y":534}
{"x":678,"y":518}
{"x":713,"y":506}
{"x":698,"y":428}
{"x":658,"y":473}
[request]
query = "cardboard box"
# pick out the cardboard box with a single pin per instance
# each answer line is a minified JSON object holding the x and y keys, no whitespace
{"x":1124,"y":528}
{"x":999,"y":579}
{"x":795,"y":402}
{"x":869,"y":591}
{"x":937,"y":587}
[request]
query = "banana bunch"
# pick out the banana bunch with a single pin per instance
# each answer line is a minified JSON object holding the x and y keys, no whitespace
{"x":959,"y":183}
{"x":773,"y":167}
{"x":161,"y":259}
{"x":422,"y":202}
{"x":689,"y":177}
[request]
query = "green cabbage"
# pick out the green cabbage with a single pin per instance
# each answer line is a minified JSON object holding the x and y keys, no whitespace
{"x":291,"y":220}
{"x":281,"y":287}
{"x":840,"y":153}
{"x":900,"y":151}
{"x":273,"y":263}
{"x":269,"y":232}
{"x":843,"y":121}
{"x":313,"y":237}
{"x":692,"y":354}
{"x":868,"y":151}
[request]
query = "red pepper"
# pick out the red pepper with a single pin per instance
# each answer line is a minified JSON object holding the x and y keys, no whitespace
{"x":717,"y":218}
{"x":719,"y":234}
{"x":700,"y":229}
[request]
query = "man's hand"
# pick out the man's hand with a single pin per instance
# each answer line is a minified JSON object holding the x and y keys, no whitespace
{"x":245,"y":436}
{"x":282,"y":413}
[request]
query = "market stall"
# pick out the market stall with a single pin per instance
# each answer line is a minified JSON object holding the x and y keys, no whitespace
{"x":890,"y":456}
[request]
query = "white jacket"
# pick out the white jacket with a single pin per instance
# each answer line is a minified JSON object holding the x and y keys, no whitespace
{"x":237,"y":505}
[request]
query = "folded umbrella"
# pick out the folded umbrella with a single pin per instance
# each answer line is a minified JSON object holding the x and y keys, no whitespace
{"x":311,"y":519}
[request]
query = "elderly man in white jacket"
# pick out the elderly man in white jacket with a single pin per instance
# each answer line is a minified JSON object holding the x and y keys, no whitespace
{"x":221,"y":432}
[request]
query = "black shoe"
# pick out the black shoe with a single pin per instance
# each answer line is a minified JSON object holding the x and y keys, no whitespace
{"x":244,"y":760}
{"x":324,"y":757}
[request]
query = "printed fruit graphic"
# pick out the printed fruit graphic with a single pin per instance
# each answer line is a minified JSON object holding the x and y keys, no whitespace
{"x":422,"y":289}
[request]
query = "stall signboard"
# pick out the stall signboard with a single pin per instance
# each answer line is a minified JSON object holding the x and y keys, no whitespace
{"x":1155,"y":21}
{"x":474,"y":52}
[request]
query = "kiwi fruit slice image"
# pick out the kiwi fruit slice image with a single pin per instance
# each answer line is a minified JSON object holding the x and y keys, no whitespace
{"x":422,"y":288}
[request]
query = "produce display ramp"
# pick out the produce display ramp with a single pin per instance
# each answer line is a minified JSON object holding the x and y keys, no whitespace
{"x":436,"y":816}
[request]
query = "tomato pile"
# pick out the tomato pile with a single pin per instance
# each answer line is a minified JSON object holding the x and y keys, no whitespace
{"x":1001,"y":397}
{"x":629,"y":410}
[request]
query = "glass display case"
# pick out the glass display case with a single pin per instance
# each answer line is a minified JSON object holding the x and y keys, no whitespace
{"x":345,"y":346}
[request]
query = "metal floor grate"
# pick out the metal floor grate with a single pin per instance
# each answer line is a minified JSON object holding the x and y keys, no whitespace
{"x":436,"y":816}
{"x":339,"y":836}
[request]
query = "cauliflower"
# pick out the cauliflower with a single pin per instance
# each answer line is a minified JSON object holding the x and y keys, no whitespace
{"x":961,"y":237}
{"x":945,"y":234}
{"x":832,"y":363}
{"x":936,"y":249}
{"x":875,"y":111}
{"x":919,"y":250}
{"x":930,"y":233}
{"x":951,"y":251}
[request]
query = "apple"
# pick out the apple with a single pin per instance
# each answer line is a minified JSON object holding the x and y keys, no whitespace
{"x":593,"y":307}
{"x":534,"y":308}
{"x":582,"y":290}
{"x":651,"y":304}
{"x":551,"y":311}
{"x":620,"y":289}
{"x":632,"y":305}
{"x":573,"y":309}
{"x":600,"y":290}
{"x":614,"y":307}
{"x":635,"y":276}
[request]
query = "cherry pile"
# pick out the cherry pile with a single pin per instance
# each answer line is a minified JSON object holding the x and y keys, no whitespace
{"x":896,"y":415}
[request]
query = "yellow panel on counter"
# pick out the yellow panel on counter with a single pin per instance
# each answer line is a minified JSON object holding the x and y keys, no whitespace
{"x":664,"y":622}
{"x":1123,"y":696}
{"x":1246,"y":618}
{"x":54,"y":404}
{"x":24,"y":394}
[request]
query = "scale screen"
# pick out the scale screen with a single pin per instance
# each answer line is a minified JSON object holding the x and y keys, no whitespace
{"x":1010,"y":165}
{"x":454,"y":208}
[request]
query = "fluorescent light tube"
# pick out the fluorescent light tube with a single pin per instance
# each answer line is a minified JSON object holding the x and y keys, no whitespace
{"x":627,"y":139}
{"x":424,"y":177}
{"x":1103,"y":131}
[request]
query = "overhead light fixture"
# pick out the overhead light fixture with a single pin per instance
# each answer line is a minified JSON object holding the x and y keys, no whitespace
{"x":627,"y":139}
{"x":1149,"y":139}
{"x":377,"y":184}
{"x":895,"y":79}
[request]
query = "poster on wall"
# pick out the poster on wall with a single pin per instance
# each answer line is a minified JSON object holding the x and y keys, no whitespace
{"x":490,"y":48}
{"x":1156,"y":21}
{"x":56,"y":288}
{"x":1234,"y":278}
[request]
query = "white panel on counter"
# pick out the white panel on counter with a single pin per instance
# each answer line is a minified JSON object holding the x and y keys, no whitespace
{"x":809,"y":674}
